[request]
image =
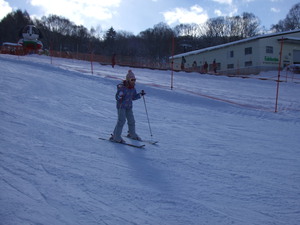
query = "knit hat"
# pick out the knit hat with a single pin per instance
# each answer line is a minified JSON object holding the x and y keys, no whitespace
{"x":130,"y":75}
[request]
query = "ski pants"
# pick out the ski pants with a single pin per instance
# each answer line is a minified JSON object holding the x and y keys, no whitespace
{"x":124,"y":114}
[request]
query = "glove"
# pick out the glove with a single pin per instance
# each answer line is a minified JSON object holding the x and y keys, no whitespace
{"x":120,"y":95}
{"x":142,"y":93}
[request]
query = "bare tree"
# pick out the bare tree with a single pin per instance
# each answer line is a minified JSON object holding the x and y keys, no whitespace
{"x":291,"y":21}
{"x":193,"y":29}
{"x":216,"y":27}
{"x":157,"y":41}
{"x":250,"y":25}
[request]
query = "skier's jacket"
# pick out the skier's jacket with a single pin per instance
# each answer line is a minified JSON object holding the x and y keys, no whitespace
{"x":125,"y":95}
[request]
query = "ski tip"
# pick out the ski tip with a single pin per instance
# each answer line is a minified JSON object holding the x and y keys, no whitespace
{"x":124,"y":143}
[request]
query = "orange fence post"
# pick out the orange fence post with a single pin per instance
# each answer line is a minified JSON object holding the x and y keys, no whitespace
{"x":172,"y":66}
{"x":278,"y":79}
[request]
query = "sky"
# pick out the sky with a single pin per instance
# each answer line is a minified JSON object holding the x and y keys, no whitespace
{"x":139,"y":15}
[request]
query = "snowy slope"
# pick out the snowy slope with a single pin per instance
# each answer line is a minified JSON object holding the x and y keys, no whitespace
{"x":216,"y":162}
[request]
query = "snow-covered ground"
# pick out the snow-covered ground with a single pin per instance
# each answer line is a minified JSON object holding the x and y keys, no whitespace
{"x":224,"y":156}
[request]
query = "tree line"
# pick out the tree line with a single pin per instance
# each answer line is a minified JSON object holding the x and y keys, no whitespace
{"x":157,"y":43}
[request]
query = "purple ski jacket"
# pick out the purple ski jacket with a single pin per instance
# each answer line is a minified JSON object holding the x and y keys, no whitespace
{"x":125,"y":95}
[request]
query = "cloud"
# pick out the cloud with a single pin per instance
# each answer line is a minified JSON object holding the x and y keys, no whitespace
{"x":219,"y":12}
{"x":228,"y":11}
{"x":229,"y":2}
{"x":275,"y":10}
{"x":194,"y":14}
{"x":5,"y":9}
{"x":79,"y":11}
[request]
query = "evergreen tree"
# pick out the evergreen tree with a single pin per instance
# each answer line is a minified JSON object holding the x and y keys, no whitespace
{"x":12,"y":24}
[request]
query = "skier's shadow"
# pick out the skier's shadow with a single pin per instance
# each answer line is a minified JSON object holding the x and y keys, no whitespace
{"x":143,"y":169}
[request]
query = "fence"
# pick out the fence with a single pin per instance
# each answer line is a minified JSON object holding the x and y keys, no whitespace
{"x":132,"y":61}
{"x":12,"y":49}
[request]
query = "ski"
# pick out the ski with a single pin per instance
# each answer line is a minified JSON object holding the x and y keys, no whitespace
{"x":145,"y":141}
{"x":150,"y":142}
{"x":123,"y":143}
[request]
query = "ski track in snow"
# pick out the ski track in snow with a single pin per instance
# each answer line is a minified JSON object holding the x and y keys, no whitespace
{"x":223,"y":156}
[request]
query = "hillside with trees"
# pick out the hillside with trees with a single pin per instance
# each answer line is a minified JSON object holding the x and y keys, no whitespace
{"x":154,"y":44}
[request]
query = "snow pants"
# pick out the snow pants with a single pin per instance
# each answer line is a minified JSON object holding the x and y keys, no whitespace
{"x":124,"y":114}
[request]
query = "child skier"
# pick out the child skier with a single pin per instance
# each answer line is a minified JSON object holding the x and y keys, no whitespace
{"x":126,"y":93}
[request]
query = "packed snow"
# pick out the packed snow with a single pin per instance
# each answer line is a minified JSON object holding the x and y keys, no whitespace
{"x":224,"y":156}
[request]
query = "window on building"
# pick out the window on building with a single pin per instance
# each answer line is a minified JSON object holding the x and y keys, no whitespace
{"x":231,"y":54}
{"x":269,"y":49}
{"x":248,"y":51}
{"x":248,"y":63}
{"x":230,"y":66}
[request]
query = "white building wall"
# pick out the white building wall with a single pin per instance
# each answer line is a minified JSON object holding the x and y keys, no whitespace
{"x":270,"y":60}
{"x":262,"y":54}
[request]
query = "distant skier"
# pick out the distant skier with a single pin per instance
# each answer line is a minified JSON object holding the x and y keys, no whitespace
{"x":113,"y":60}
{"x":126,"y":93}
{"x":214,"y":65}
{"x":194,"y":66}
{"x":205,"y":67}
{"x":183,"y":61}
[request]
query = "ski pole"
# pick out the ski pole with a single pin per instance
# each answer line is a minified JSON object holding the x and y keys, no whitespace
{"x":143,"y":93}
